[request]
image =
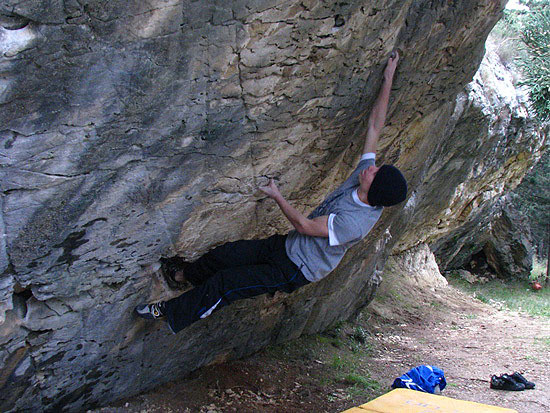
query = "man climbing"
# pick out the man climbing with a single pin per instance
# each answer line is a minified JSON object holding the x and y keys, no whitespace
{"x":243,"y":269}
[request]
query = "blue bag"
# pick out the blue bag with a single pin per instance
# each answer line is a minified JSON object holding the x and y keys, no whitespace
{"x":422,"y":378}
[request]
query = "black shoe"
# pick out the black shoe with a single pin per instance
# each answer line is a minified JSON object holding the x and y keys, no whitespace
{"x":520,"y":379}
{"x":154,"y":311}
{"x":505,"y":382}
{"x":169,"y":267}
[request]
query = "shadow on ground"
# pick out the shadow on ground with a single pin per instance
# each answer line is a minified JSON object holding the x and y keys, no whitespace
{"x":355,"y":362}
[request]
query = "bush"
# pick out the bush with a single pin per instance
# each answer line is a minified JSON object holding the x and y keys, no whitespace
{"x":536,"y":67}
{"x":522,"y":39}
{"x":506,"y":39}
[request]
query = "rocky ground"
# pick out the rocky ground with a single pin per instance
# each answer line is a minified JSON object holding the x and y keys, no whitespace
{"x":355,"y":362}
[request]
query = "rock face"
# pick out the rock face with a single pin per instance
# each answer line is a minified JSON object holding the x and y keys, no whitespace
{"x":479,"y":218}
{"x":132,"y":130}
{"x":509,"y":249}
{"x":418,"y":265}
{"x":491,"y":140}
{"x":503,"y":248}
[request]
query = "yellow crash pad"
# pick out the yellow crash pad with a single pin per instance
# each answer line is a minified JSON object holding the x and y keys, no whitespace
{"x":412,"y":401}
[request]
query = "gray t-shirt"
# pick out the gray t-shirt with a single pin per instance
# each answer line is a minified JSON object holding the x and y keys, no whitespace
{"x":350,"y":220}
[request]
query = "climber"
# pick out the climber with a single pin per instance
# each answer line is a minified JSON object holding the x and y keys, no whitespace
{"x":247,"y":268}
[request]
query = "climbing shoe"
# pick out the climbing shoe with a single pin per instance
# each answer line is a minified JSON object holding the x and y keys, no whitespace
{"x":169,"y":267}
{"x":505,"y":382}
{"x":152,"y":311}
{"x":518,"y":377}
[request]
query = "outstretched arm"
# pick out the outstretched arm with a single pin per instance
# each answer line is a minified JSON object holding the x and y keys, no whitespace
{"x":377,"y":117}
{"x":316,"y":227}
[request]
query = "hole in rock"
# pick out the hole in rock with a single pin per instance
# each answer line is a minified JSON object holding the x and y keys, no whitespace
{"x":20,"y":297}
{"x":12,"y":21}
{"x":478,"y":264}
{"x":339,"y":21}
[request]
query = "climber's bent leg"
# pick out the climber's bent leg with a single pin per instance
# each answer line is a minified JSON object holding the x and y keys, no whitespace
{"x":230,"y":285}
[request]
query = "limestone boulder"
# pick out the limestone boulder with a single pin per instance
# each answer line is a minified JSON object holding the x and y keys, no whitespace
{"x":133,"y":130}
{"x":503,"y":248}
{"x":418,"y":266}
{"x":482,"y":225}
{"x":486,"y":145}
{"x":510,"y":247}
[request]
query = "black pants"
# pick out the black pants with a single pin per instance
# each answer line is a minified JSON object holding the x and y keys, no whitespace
{"x":231,"y":272}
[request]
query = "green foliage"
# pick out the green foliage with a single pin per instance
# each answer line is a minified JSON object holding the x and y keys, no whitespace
{"x":536,"y":68}
{"x":536,"y":4}
{"x":517,"y":296}
{"x":506,"y":38}
{"x":531,"y":30}
{"x":362,"y":381}
{"x":360,"y":335}
{"x":341,"y":363}
{"x":481,"y":297}
{"x":359,"y":342}
{"x":539,"y":269}
{"x":522,"y":38}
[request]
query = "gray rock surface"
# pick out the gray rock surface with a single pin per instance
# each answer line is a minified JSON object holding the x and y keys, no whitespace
{"x":134,"y":130}
{"x":509,"y":249}
{"x":488,"y":143}
{"x":502,"y":247}
{"x":418,"y":265}
{"x":505,"y":141}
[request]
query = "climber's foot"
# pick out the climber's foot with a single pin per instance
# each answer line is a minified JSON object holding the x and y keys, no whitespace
{"x":153,"y":311}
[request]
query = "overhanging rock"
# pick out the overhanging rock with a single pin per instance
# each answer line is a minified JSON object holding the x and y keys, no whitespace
{"x":502,"y":247}
{"x":133,"y":129}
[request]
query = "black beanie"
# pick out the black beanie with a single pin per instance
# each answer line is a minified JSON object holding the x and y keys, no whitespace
{"x":388,"y":187}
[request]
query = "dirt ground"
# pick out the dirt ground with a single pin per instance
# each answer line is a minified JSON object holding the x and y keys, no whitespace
{"x":357,"y":361}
